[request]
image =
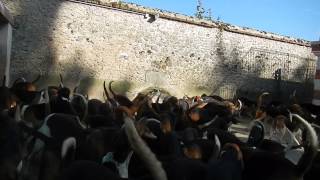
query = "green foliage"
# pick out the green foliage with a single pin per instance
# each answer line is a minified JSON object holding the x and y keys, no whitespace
{"x":202,"y":13}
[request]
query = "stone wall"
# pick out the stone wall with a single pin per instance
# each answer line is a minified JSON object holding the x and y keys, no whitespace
{"x":92,"y":41}
{"x":5,"y":42}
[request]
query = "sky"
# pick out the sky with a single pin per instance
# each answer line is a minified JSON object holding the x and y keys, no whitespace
{"x":295,"y":18}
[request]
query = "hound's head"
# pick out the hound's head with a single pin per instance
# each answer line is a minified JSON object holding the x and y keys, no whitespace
{"x":233,"y":107}
{"x":25,"y":91}
{"x":194,"y":115}
{"x":192,"y":151}
{"x":148,"y":128}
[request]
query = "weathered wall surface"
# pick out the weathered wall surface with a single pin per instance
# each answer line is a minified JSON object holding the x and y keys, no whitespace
{"x":5,"y":41}
{"x":91,"y":43}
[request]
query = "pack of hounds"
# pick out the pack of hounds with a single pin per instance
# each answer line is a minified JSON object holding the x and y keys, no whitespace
{"x":58,"y":134}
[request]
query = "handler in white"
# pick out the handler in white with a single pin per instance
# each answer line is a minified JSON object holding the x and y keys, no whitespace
{"x":281,"y":134}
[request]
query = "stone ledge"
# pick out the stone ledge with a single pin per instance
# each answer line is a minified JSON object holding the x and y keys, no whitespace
{"x":134,"y":8}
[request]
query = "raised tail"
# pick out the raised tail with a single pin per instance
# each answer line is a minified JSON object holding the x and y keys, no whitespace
{"x":143,"y":151}
{"x":311,"y":149}
{"x":105,"y":90}
{"x":110,"y":89}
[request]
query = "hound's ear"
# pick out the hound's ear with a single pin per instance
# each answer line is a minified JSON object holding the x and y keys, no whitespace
{"x":68,"y":146}
{"x":19,"y":167}
{"x":294,"y":93}
{"x":75,"y":89}
{"x":290,"y":115}
{"x":260,"y":98}
{"x":239,"y":107}
{"x":150,"y":135}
